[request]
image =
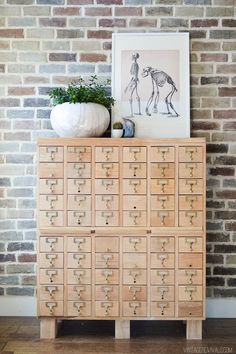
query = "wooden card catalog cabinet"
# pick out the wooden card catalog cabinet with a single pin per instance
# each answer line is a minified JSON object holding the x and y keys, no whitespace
{"x":121,"y":231}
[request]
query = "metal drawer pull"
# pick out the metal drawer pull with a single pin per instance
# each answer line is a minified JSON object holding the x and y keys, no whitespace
{"x":191,"y":183}
{"x":51,"y":306}
{"x":79,"y":183}
{"x":134,"y":274}
{"x":79,"y":306}
{"x":51,"y":183}
{"x":52,"y":151}
{"x":191,"y":168}
{"x":135,"y":306}
{"x":163,"y":152}
{"x":163,"y":216}
{"x":135,"y":151}
{"x":51,"y":290}
{"x":134,"y":167}
{"x":107,"y":215}
{"x":107,"y":199}
{"x":51,"y":274}
{"x":79,"y":167}
{"x":79,"y":242}
{"x":190,"y":291}
{"x":51,"y":242}
{"x":107,"y":274}
{"x":191,"y":200}
{"x":107,"y":258}
{"x":190,"y":151}
{"x":107,"y":290}
{"x":107,"y":183}
{"x":191,"y":242}
{"x":191,"y":216}
{"x":163,"y":275}
{"x":135,"y":241}
{"x":107,"y":306}
{"x":79,"y":199}
{"x":163,"y":291}
{"x":78,"y":290}
{"x":77,"y":150}
{"x":79,"y":215}
{"x":135,"y":215}
{"x":108,"y":151}
{"x":79,"y":274}
{"x":51,"y":199}
{"x":51,"y":258}
{"x":135,"y":183}
{"x":163,"y":183}
{"x":162,"y":307}
{"x":78,"y":258}
{"x":163,"y":242}
{"x":108,"y":168}
{"x":162,"y":257}
{"x":134,"y":290}
{"x":191,"y":274}
{"x":162,"y":200}
{"x":51,"y":215}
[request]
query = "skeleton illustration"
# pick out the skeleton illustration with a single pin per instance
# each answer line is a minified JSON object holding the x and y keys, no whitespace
{"x":133,"y":84}
{"x":159,"y":78}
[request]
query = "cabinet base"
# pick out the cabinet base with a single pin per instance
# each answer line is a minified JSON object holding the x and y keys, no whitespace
{"x":48,"y":328}
{"x":194,"y":329}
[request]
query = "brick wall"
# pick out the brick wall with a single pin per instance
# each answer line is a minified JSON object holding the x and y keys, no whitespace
{"x":45,"y":43}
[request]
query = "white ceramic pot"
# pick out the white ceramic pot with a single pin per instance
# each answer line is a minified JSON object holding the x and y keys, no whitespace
{"x":80,"y":119}
{"x":117,"y":133}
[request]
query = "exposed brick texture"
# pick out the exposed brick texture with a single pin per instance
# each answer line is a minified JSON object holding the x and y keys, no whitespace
{"x":45,"y":43}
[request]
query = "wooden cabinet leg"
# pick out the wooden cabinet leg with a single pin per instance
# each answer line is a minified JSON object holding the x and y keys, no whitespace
{"x":48,"y":328}
{"x":194,"y":329}
{"x":122,"y":329}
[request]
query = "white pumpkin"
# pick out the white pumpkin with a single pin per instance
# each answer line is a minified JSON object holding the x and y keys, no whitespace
{"x":80,"y":119}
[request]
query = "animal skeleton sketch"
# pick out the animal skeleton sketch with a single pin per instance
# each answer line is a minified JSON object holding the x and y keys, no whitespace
{"x":133,"y":84}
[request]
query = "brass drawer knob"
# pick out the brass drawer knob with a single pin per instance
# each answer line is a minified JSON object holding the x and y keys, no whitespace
{"x":51,"y":306}
{"x":134,"y":290}
{"x":79,"y":241}
{"x":134,"y":274}
{"x":134,"y":306}
{"x":52,"y":241}
{"x":79,"y":306}
{"x":107,"y":290}
{"x":51,"y":258}
{"x":79,"y":290}
{"x":107,"y":306}
{"x":52,"y":290}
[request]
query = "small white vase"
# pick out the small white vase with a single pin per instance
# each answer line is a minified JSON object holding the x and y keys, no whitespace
{"x":117,"y":133}
{"x":80,"y":119}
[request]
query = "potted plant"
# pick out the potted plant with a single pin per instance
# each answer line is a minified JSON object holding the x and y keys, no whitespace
{"x":81,"y":109}
{"x":117,"y":129}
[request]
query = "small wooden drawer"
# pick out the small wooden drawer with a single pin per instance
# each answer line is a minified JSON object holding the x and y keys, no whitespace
{"x":106,"y":244}
{"x":163,"y":293}
{"x":106,"y":202}
{"x":162,"y":218}
{"x":50,"y":308}
{"x":79,"y":292}
{"x":50,"y":292}
{"x":51,"y":276}
{"x":162,"y":170}
{"x":190,"y":186}
{"x":134,"y":276}
{"x":79,"y":260}
{"x":78,"y":170}
{"x":79,"y":202}
{"x":107,"y":260}
{"x":79,"y":154}
{"x":134,"y":170}
{"x":51,"y":202}
{"x":134,"y":154}
{"x":51,"y":260}
{"x":162,"y":202}
{"x":51,"y":218}
{"x":135,"y":260}
{"x":162,"y":277}
{"x":190,"y":218}
{"x":51,"y":154}
{"x":106,"y":308}
{"x":162,"y":186}
{"x":190,"y":244}
{"x":162,"y":244}
{"x":136,"y":202}
{"x":79,"y":308}
{"x":134,"y":218}
{"x":79,"y":218}
{"x":79,"y":243}
{"x":106,"y":170}
{"x":107,"y":292}
{"x":79,"y":186}
{"x":190,"y":260}
{"x":51,"y":186}
{"x":162,"y":154}
{"x":134,"y":186}
{"x":162,"y":260}
{"x":107,"y":186}
{"x":51,"y":170}
{"x":190,"y":153}
{"x":134,"y":308}
{"x":190,"y":276}
{"x":134,"y":244}
{"x":107,"y":218}
{"x":190,"y":309}
{"x":107,"y":154}
{"x":106,"y":276}
{"x":190,"y":202}
{"x":162,"y":309}
{"x":79,"y":276}
{"x":134,"y":293}
{"x":51,"y":244}
{"x":190,"y":170}
{"x":190,"y":293}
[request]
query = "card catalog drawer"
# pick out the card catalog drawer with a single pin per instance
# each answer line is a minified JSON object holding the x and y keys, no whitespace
{"x":50,"y":308}
{"x":162,"y":202}
{"x":190,"y":170}
{"x":162,"y":277}
{"x":162,"y":170}
{"x":134,"y":293}
{"x":190,"y":244}
{"x":106,"y":276}
{"x":107,"y":308}
{"x":106,"y":186}
{"x":162,"y":244}
{"x":134,"y":309}
{"x":190,"y":186}
{"x":79,"y":154}
{"x":79,"y":308}
{"x":190,"y":309}
{"x":79,"y":260}
{"x":190,"y":153}
{"x":189,"y":260}
{"x":190,"y":276}
{"x":162,"y":186}
{"x":134,"y":218}
{"x":134,"y":276}
{"x":79,"y":202}
{"x":136,"y":202}
{"x":162,"y":154}
{"x":106,"y":170}
{"x":79,"y":292}
{"x":132,"y":170}
{"x":134,"y":154}
{"x":79,"y":276}
{"x":51,"y":186}
{"x":163,"y":293}
{"x":51,"y":202}
{"x":51,"y":260}
{"x":190,"y":202}
{"x":134,"y":244}
{"x":79,"y":218}
{"x":106,"y":154}
{"x":106,"y":202}
{"x":51,"y":244}
{"x":79,"y":186}
{"x":51,"y":170}
{"x":190,"y":293}
{"x":107,"y":292}
{"x":79,"y":170}
{"x":79,"y":243}
{"x":51,"y":218}
{"x":163,"y":218}
{"x":135,"y":260}
{"x":134,"y":186}
{"x":50,"y":292}
{"x":51,"y":154}
{"x":162,"y":260}
{"x":190,"y":218}
{"x":106,"y":244}
{"x":51,"y":276}
{"x":163,"y":309}
{"x":107,"y":260}
{"x":107,"y":218}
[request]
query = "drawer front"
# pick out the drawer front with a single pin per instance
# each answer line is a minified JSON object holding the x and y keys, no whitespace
{"x":134,"y":218}
{"x":162,"y":277}
{"x":51,"y":202}
{"x":51,"y":186}
{"x":107,"y":244}
{"x":51,"y":218}
{"x":51,"y":154}
{"x":190,"y":170}
{"x":134,"y":154}
{"x":107,"y":218}
{"x":190,"y":218}
{"x":79,"y":292}
{"x":78,"y":170}
{"x":162,"y":293}
{"x":134,"y":244}
{"x":162,"y":186}
{"x":162,"y":260}
{"x":51,"y":244}
{"x":107,"y":154}
{"x":190,"y":202}
{"x":79,"y":186}
{"x":134,"y":293}
{"x":79,"y":308}
{"x":190,"y":154}
{"x":190,"y":244}
{"x":106,"y":202}
{"x":107,"y":260}
{"x":107,"y":292}
{"x":51,"y":276}
{"x":137,"y":261}
{"x":190,"y":309}
{"x":50,"y":308}
{"x":79,"y":202}
{"x":134,"y":276}
{"x":79,"y":260}
{"x":51,"y":170}
{"x":163,"y":218}
{"x":51,"y":260}
{"x":190,"y":293}
{"x":162,"y":309}
{"x":136,"y":202}
{"x":134,"y":186}
{"x":79,"y":218}
{"x":162,"y":202}
{"x":190,"y":276}
{"x":106,"y":276}
{"x":188,"y":260}
{"x":107,"y":308}
{"x":106,"y":186}
{"x":79,"y":154}
{"x":162,"y":244}
{"x":162,"y":170}
{"x":162,"y":154}
{"x":50,"y":292}
{"x":134,"y":309}
{"x":190,"y":186}
{"x":79,"y":276}
{"x":79,"y":243}
{"x":107,"y":170}
{"x":134,"y":170}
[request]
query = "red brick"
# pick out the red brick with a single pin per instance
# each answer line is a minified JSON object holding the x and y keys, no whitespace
{"x":21,"y":91}
{"x":204,"y":23}
{"x":100,"y":34}
{"x":80,"y":2}
{"x":92,"y":57}
{"x":117,"y":22}
{"x":98,"y":11}
{"x":226,"y":194}
{"x":62,"y":57}
{"x":222,"y":171}
{"x":66,"y":11}
{"x":229,"y":126}
{"x":197,"y":34}
{"x":128,"y":11}
{"x":227,"y":91}
{"x":142,"y":22}
{"x":229,"y":23}
{"x":110,"y":2}
{"x":27,"y":257}
{"x":214,"y":57}
{"x":224,"y":114}
{"x":230,"y":226}
{"x":52,"y":22}
{"x":9,"y":102}
{"x":107,"y":45}
{"x":11,"y":33}
{"x":200,"y":125}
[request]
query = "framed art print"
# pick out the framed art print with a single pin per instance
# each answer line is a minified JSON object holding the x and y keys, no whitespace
{"x":150,"y":83}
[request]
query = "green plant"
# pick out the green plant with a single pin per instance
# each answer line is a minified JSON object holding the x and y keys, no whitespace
{"x":117,"y":125}
{"x":82,"y":92}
